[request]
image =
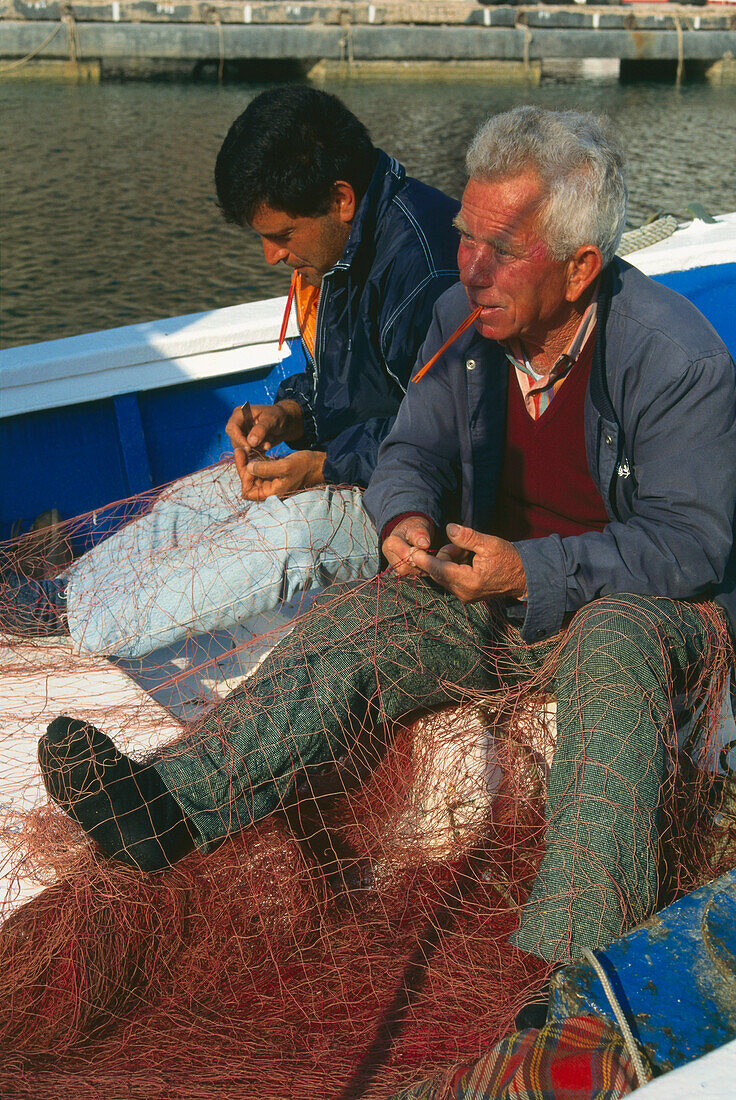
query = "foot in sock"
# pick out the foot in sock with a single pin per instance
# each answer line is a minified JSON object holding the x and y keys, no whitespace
{"x":121,"y":804}
{"x":32,"y":607}
{"x":534,"y":1013}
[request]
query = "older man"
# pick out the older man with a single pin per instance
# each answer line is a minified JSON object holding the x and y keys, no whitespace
{"x":580,"y":445}
{"x":371,"y":250}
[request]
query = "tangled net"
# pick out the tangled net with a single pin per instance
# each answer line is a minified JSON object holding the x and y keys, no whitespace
{"x":350,"y":944}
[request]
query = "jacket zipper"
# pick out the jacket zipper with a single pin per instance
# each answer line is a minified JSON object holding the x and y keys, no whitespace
{"x":318,"y":329}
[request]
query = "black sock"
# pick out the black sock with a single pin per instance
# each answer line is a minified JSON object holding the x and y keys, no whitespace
{"x":123,"y":805}
{"x":534,"y":1013}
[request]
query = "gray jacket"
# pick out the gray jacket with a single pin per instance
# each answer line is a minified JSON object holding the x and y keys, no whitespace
{"x":660,"y":435}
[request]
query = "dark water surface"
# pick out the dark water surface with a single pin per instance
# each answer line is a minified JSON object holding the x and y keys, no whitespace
{"x":109,"y":215}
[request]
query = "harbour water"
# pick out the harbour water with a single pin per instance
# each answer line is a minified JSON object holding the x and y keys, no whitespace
{"x":109,"y":214}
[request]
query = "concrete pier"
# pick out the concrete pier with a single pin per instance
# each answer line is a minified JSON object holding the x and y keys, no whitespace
{"x":352,"y":34}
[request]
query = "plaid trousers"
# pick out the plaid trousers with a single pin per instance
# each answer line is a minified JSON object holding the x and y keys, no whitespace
{"x":579,"y":1058}
{"x":368,"y":656}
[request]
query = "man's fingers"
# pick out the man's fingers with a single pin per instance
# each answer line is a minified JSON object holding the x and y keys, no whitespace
{"x":269,"y":468}
{"x":241,"y":465}
{"x":236,"y":437}
{"x":417,"y":533}
{"x":262,"y":489}
{"x":247,"y":486}
{"x":238,"y":441}
{"x":449,"y":574}
{"x":464,"y":537}
{"x":413,"y":531}
{"x":252,"y":487}
{"x":395,"y":549}
{"x":450,"y":552}
{"x":434,"y":567}
{"x":406,"y":569}
{"x":400,"y":556}
{"x":256,"y":439}
{"x":252,"y":426}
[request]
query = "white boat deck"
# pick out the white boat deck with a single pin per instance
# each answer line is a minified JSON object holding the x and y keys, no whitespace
{"x":41,"y":681}
{"x":712,"y":1077}
{"x":147,"y":356}
{"x":141,"y":704}
{"x":694,"y":245}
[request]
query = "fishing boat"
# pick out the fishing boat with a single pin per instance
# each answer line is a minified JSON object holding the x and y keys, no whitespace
{"x":101,"y":417}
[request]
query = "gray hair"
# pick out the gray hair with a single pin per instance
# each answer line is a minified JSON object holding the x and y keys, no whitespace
{"x":579,"y":161}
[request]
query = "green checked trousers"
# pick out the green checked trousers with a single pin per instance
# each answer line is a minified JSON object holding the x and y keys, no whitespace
{"x":367,"y":656}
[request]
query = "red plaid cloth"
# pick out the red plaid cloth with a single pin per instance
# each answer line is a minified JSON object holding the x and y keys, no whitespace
{"x":580,"y":1058}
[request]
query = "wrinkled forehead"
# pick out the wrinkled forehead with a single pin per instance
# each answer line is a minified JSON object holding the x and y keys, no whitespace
{"x":503,"y":207}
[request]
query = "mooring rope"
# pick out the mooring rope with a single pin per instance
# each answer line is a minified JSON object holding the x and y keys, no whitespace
{"x":221,"y":43}
{"x":21,"y":61}
{"x":347,"y":56}
{"x":67,"y":20}
{"x":72,"y":34}
{"x":680,"y":51}
{"x":645,"y":235}
{"x":621,"y":1020}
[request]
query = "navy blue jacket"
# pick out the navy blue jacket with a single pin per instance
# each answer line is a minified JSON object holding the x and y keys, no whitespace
{"x":375,"y":307}
{"x":660,"y":436}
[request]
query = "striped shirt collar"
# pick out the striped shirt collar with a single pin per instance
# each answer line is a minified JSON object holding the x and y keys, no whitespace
{"x":516,"y":352}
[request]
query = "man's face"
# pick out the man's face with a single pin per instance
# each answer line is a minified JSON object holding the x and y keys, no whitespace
{"x":311,"y":246}
{"x":504,"y":265}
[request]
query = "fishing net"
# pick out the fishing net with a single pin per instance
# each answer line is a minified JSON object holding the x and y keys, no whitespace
{"x":354,"y":941}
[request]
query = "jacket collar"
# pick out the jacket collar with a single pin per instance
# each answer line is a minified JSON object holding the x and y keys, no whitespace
{"x":599,"y":395}
{"x":388,"y":176}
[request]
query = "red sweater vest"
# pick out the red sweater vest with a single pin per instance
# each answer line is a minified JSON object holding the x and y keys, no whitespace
{"x":545,"y":486}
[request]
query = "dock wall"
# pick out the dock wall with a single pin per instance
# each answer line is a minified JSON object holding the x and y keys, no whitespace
{"x":437,"y":31}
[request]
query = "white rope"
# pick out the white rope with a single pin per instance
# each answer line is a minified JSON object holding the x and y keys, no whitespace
{"x":621,"y":1020}
{"x":346,"y":41}
{"x":72,"y":35}
{"x":221,"y":44}
{"x":680,"y":51}
{"x":29,"y":56}
{"x":521,"y":22}
{"x":647,"y":234}
{"x":212,"y":16}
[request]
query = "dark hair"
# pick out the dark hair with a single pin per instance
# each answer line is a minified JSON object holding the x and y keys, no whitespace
{"x":287,"y":150}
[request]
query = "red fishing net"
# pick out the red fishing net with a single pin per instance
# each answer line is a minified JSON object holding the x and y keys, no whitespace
{"x":353,"y":942}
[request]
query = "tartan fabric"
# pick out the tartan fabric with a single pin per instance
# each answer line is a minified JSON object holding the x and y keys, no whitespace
{"x":580,"y":1058}
{"x":372,"y":655}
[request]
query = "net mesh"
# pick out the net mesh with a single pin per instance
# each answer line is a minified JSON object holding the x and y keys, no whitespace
{"x":353,"y":941}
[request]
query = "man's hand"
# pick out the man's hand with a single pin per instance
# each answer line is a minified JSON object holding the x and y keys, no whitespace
{"x":255,"y":429}
{"x":474,"y":566}
{"x":412,"y":534}
{"x":267,"y":477}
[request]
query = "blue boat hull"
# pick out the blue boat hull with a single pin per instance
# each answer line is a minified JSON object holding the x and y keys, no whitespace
{"x":713,"y":291}
{"x":674,"y":978}
{"x":80,"y":457}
